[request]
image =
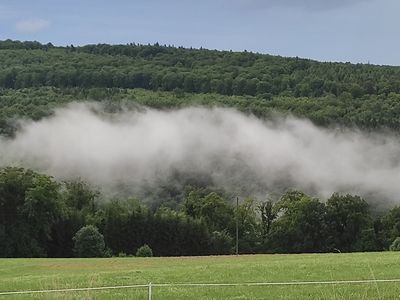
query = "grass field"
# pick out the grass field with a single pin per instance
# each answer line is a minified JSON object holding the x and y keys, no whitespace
{"x":40,"y":274}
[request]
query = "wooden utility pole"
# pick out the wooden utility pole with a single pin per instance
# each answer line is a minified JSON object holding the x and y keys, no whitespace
{"x":237,"y":225}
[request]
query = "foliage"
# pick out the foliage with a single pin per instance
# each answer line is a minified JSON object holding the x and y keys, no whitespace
{"x":169,"y":68}
{"x":144,"y":251}
{"x":39,"y":216}
{"x":221,"y":243}
{"x":300,"y":226}
{"x":35,"y":78}
{"x":395,"y":246}
{"x":30,"y":204}
{"x":347,"y":218}
{"x":42,"y":217}
{"x":89,"y":242}
{"x":268,"y":214}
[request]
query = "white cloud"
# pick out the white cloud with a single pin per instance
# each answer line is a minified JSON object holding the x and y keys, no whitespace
{"x":31,"y":25}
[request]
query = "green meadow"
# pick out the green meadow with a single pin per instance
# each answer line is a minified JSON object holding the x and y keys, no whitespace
{"x":43,"y":274}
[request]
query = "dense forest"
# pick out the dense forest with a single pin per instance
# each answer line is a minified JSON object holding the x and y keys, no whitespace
{"x":33,"y":76}
{"x":41,"y":216}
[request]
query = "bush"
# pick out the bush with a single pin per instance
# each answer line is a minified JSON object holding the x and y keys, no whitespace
{"x":144,"y":251}
{"x":395,"y":246}
{"x":108,"y":252}
{"x":89,"y":242}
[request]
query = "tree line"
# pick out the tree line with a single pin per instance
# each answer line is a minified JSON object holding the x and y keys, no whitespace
{"x":157,"y":67}
{"x":42,"y":217}
{"x":35,"y":78}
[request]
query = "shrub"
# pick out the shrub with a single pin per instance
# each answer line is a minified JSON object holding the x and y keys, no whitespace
{"x":144,"y":251}
{"x":395,"y":246}
{"x":108,"y":252}
{"x":89,"y":242}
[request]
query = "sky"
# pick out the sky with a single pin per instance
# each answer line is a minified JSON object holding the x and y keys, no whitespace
{"x":364,"y":31}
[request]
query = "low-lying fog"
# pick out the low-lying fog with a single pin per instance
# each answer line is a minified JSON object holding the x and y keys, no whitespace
{"x":237,"y":151}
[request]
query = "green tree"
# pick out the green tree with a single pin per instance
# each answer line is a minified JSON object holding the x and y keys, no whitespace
{"x":80,"y":210}
{"x":348,"y":219}
{"x":389,"y":227}
{"x":89,"y":242}
{"x":30,"y":204}
{"x":300,"y":226}
{"x":268,"y":214}
{"x":248,"y":226}
{"x":217,"y":214}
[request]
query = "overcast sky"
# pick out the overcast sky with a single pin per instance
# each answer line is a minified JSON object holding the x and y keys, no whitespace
{"x":327,"y":30}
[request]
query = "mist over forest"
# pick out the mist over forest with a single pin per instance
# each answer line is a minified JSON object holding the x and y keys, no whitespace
{"x":152,"y":144}
{"x":145,"y":148}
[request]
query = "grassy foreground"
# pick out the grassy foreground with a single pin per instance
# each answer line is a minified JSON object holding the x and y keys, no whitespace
{"x":38,"y":274}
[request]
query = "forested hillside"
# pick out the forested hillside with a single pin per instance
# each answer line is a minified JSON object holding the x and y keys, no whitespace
{"x":327,"y":93}
{"x":168,"y":68}
{"x":40,"y":215}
